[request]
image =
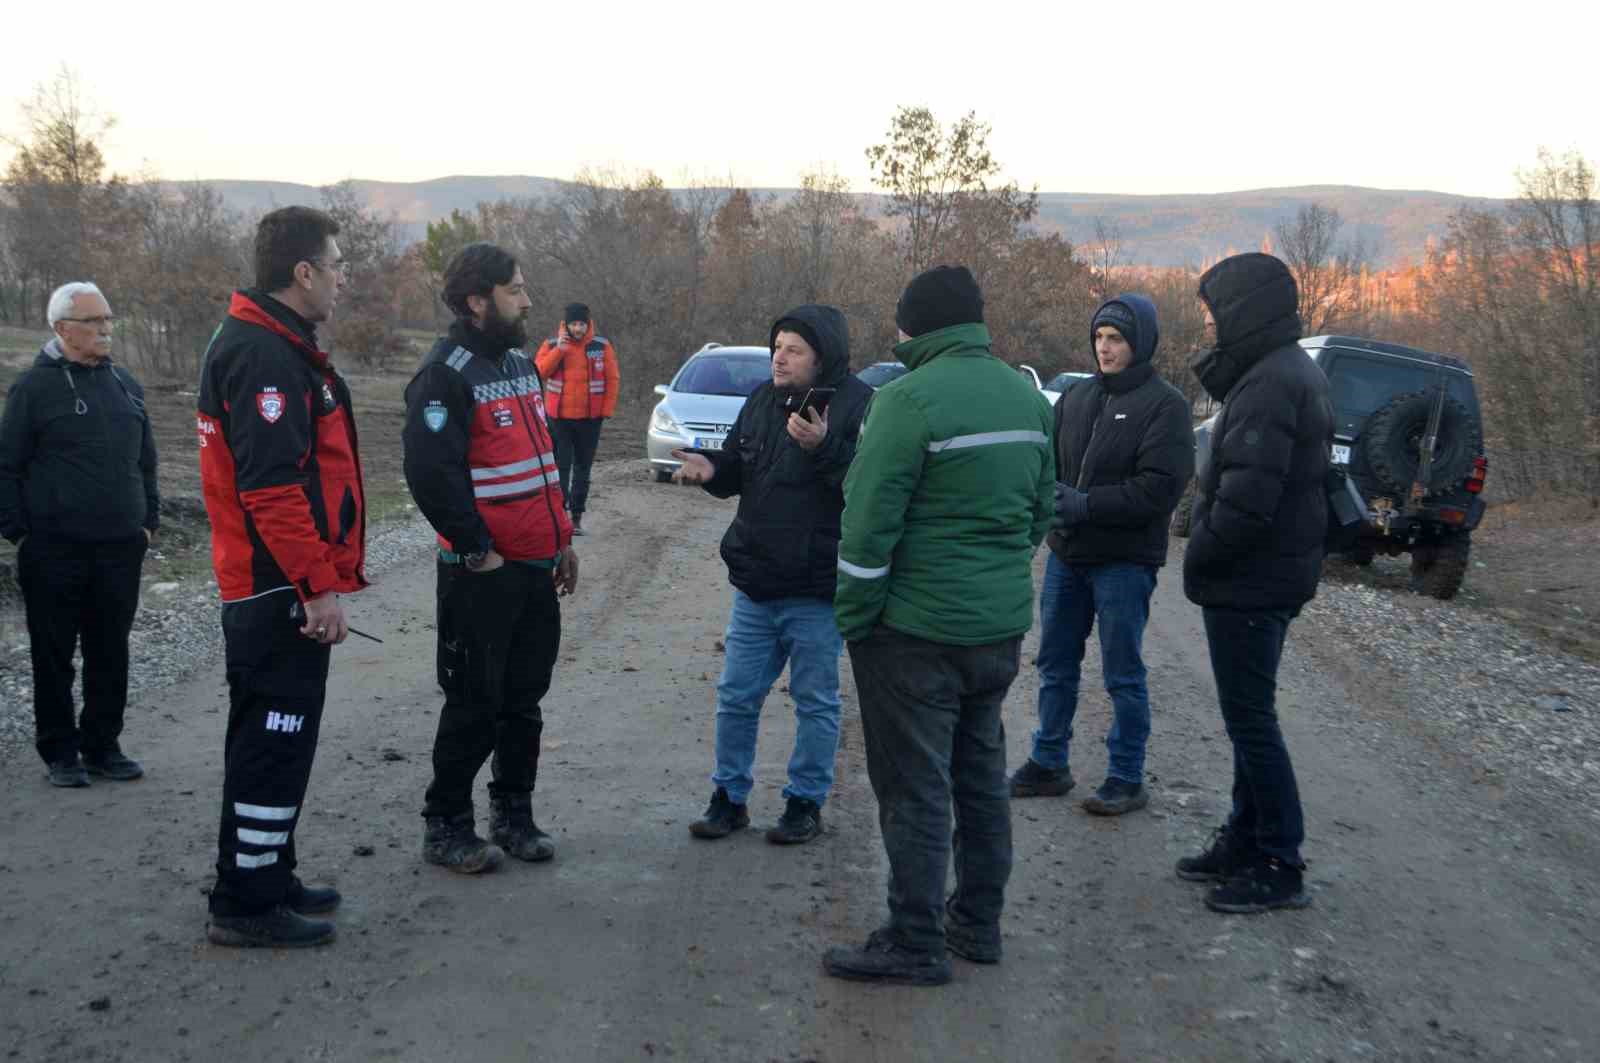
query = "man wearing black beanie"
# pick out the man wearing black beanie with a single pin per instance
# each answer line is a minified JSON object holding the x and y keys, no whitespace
{"x":1124,"y":453}
{"x":949,"y":495}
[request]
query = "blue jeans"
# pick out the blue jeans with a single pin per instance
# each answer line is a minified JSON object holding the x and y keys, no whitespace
{"x":1072,"y":599}
{"x":1245,"y":650}
{"x":761,"y":637}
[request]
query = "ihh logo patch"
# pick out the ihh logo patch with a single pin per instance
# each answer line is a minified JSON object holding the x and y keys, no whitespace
{"x":270,"y":403}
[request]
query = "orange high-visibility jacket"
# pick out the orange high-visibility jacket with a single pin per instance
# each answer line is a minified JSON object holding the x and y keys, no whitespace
{"x":580,"y":379}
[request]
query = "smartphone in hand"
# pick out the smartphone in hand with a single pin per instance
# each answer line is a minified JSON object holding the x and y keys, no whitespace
{"x":816,"y":399}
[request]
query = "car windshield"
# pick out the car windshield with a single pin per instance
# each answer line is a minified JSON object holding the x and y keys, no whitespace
{"x":1063,"y":381}
{"x":724,"y":374}
{"x":876,"y":376}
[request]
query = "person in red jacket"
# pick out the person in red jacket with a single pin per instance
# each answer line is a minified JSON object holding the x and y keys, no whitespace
{"x":481,"y":465}
{"x":580,"y":370}
{"x":282,"y":483}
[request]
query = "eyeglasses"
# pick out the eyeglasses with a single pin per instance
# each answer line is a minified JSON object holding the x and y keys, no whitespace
{"x":103,"y":319}
{"x":341,"y":267}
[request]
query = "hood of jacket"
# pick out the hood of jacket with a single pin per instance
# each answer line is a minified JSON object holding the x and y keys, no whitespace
{"x":918,"y":351}
{"x":825,"y":328}
{"x":1256,"y":304}
{"x":1147,"y":335}
{"x":52,"y":356}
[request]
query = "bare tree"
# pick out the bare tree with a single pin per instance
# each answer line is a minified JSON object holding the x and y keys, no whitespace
{"x":1327,"y":273}
{"x":1105,"y":256}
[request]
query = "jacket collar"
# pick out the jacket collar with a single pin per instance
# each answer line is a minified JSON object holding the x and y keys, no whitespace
{"x":920,"y":350}
{"x":258,"y":308}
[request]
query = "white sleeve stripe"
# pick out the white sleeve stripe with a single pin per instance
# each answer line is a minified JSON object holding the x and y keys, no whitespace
{"x":862,"y":573}
{"x":264,"y":811}
{"x":986,"y":439}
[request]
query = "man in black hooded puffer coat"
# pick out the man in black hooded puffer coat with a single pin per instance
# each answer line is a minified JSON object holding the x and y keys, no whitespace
{"x":1254,"y":556}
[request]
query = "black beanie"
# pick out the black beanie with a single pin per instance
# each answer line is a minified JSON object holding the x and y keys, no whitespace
{"x":1119,"y":316}
{"x":938,"y":298}
{"x":575,"y":312}
{"x":799,"y":328}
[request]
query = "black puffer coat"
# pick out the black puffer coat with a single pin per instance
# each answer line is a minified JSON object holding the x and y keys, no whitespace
{"x":784,"y":540}
{"x":1126,"y":439}
{"x":1261,"y":511}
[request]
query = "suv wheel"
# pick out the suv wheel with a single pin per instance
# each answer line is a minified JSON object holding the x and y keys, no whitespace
{"x":1437,"y":569}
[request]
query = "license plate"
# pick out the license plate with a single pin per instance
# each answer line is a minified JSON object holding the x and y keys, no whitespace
{"x":1341,"y":454}
{"x":708,"y":442}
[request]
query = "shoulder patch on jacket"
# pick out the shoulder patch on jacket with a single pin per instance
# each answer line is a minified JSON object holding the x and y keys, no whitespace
{"x":434,"y":415}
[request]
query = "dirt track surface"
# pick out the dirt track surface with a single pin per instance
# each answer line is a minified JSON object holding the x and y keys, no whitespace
{"x":1453,"y":920}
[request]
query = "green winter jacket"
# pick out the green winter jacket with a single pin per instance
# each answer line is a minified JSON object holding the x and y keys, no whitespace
{"x":950,"y":492}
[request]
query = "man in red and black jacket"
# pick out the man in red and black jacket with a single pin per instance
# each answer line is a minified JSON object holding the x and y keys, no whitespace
{"x":481,"y":465}
{"x":282,"y":481}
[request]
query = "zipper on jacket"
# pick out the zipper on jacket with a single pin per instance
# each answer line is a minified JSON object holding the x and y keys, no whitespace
{"x":1094,"y":430}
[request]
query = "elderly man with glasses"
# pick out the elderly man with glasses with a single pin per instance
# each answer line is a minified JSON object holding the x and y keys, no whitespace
{"x":78,"y":498}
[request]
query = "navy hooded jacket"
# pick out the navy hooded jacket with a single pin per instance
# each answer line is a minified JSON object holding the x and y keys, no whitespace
{"x":1128,"y":440}
{"x":784,"y":540}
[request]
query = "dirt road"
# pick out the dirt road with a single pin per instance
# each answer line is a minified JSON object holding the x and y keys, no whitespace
{"x":1453,"y":920}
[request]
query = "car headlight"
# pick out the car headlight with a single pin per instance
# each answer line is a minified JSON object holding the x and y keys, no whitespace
{"x":662,"y":421}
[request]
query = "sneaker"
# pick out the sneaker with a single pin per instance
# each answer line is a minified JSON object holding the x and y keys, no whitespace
{"x":512,"y":828}
{"x":1035,"y":780}
{"x":883,"y":959}
{"x":112,"y":764}
{"x":1115,"y":797}
{"x":275,"y":928}
{"x":451,"y":842}
{"x":722,"y":817}
{"x":970,"y":941}
{"x":1262,"y":885}
{"x":68,"y":771}
{"x":310,"y":900}
{"x":801,"y":821}
{"x":1224,"y":856}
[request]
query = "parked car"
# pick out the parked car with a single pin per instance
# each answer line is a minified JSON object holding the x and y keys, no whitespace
{"x":880,"y":373}
{"x":698,"y":407}
{"x":1033,"y":376}
{"x":1059,"y":383}
{"x":1385,"y":397}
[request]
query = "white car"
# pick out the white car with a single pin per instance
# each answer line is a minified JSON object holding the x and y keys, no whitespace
{"x":1058,"y":384}
{"x":698,"y":408}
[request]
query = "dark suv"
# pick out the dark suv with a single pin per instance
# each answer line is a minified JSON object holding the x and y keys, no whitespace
{"x":1385,"y":397}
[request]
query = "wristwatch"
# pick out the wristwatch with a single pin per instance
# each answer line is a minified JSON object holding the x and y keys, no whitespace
{"x":474,"y":561}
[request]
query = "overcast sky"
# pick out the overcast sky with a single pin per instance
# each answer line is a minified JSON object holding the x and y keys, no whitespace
{"x":1134,"y":98}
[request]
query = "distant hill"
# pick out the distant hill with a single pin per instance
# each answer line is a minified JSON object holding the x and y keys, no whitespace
{"x":1168,"y":230}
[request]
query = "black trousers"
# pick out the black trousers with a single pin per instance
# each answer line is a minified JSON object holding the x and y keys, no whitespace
{"x":930,"y":716}
{"x":1246,"y":647}
{"x":576,"y":441}
{"x":277,"y":682}
{"x":498,"y":637}
{"x":72,"y":591}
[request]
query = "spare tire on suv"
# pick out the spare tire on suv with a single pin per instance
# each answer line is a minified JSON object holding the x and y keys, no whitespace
{"x":1393,"y":442}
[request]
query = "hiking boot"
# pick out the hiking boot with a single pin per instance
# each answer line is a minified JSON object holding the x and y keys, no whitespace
{"x":450,"y":842}
{"x":801,"y":821}
{"x":1226,"y":855}
{"x":722,"y":817}
{"x":112,"y":764}
{"x":883,"y":959}
{"x":310,"y":900}
{"x":512,"y":828}
{"x":68,"y":771}
{"x":1263,"y":884}
{"x":1115,"y":797}
{"x":970,"y":941}
{"x":1035,"y":780}
{"x":275,"y":928}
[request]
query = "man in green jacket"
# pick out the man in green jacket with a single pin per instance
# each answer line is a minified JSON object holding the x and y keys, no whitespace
{"x":950,"y":493}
